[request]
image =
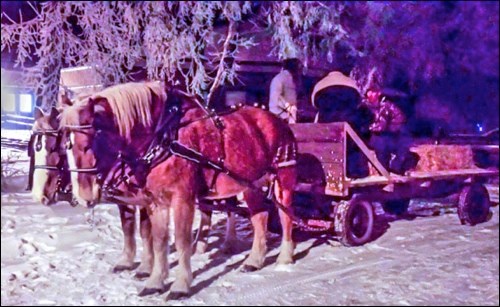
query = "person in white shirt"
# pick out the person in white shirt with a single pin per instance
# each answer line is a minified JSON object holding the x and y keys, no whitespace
{"x":284,"y":91}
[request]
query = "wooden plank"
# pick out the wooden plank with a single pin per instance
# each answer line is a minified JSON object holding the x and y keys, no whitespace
{"x":327,"y":178}
{"x":335,"y":179}
{"x":324,"y":152}
{"x":414,"y":176}
{"x":311,"y":132}
{"x":453,"y":173}
{"x":368,"y":153}
{"x":377,"y":180}
{"x":367,"y":181}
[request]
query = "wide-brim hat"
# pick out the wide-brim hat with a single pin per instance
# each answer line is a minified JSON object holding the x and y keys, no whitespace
{"x":335,"y":78}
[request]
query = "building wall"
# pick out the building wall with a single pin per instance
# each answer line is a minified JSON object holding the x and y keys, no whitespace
{"x":17,"y":101}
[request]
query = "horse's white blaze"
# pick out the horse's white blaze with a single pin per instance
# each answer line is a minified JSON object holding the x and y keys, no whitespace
{"x":72,"y":165}
{"x":40,"y":176}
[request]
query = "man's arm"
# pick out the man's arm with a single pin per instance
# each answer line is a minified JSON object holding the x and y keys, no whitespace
{"x":380,"y":123}
{"x":274,"y":94}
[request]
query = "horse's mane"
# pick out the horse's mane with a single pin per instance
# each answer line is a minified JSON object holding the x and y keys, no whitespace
{"x":129,"y":102}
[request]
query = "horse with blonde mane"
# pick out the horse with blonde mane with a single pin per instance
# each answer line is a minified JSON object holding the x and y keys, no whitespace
{"x":50,"y":182}
{"x":254,"y":146}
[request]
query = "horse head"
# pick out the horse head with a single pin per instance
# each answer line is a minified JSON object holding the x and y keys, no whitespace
{"x":49,"y":176}
{"x":103,"y":130}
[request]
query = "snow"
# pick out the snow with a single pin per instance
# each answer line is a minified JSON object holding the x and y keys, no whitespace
{"x":16,"y":134}
{"x":51,"y":256}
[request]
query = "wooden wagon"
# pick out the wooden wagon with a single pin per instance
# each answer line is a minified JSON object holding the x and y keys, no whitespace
{"x":322,"y":164}
{"x":327,"y":199}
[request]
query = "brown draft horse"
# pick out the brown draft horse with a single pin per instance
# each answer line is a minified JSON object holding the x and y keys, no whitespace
{"x":50,"y":174}
{"x":137,"y":106}
{"x":256,"y":145}
{"x":46,"y":156}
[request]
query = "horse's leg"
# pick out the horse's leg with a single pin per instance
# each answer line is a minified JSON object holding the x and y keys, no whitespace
{"x":159,"y":216}
{"x":126,"y":261}
{"x":229,"y":244}
{"x":284,"y":193}
{"x":201,"y":243}
{"x":144,"y":270}
{"x":255,"y":260}
{"x":183,"y":206}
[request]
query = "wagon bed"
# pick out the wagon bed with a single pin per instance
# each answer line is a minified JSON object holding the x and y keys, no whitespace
{"x":327,"y":144}
{"x":443,"y":171}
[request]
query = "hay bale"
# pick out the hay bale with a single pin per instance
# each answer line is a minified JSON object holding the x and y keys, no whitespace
{"x":444,"y":157}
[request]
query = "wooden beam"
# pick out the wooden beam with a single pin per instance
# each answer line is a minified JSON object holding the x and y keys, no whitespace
{"x":453,"y":173}
{"x":370,"y":154}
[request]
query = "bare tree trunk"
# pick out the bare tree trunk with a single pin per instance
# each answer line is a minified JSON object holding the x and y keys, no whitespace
{"x":47,"y":86}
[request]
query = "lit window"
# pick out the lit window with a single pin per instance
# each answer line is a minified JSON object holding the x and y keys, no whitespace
{"x":25,"y":103}
{"x":9,"y":102}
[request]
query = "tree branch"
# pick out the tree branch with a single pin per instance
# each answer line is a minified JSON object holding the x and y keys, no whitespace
{"x":220,"y":70}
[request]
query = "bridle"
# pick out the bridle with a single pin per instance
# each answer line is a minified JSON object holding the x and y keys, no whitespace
{"x":61,"y":167}
{"x":69,"y":145}
{"x":110,"y":177}
{"x":163,"y":146}
{"x":119,"y":161}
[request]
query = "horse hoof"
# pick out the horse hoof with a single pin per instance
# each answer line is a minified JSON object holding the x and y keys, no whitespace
{"x":176,"y":295}
{"x":141,"y":275}
{"x":121,"y":268}
{"x":149,"y":291}
{"x":248,"y":268}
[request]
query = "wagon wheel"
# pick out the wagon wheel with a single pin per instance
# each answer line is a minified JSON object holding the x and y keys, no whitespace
{"x":473,"y":205}
{"x":354,"y":221}
{"x":396,"y":207}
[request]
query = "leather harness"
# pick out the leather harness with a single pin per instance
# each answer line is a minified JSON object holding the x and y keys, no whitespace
{"x":165,"y":144}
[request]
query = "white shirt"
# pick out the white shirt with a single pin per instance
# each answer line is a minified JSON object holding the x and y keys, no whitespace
{"x":283,"y":97}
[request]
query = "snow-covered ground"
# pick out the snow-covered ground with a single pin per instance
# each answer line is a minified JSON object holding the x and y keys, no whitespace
{"x":16,"y":134}
{"x":50,"y":255}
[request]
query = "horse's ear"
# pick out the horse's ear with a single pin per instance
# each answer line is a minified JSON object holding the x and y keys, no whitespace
{"x":99,"y":105}
{"x":65,"y":101}
{"x":53,"y":118}
{"x":99,"y":108}
{"x":38,"y":113}
{"x":87,"y":111}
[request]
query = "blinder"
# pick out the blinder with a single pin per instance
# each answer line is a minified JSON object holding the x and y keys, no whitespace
{"x":69,"y":145}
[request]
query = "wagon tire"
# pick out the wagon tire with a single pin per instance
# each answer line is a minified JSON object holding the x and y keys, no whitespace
{"x":354,"y":222}
{"x":473,"y":205}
